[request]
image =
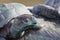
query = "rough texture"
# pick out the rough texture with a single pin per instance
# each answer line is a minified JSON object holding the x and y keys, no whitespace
{"x":50,"y":26}
{"x":49,"y":31}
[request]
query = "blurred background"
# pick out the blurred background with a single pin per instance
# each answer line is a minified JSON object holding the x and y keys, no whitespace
{"x":26,"y":2}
